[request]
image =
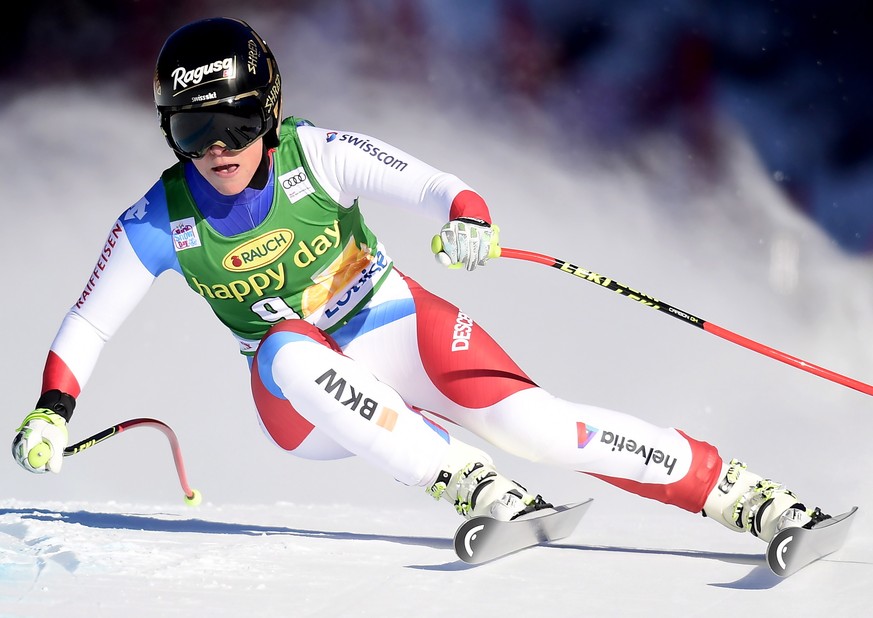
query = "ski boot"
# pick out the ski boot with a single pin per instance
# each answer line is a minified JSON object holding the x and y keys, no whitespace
{"x":746,"y":502}
{"x":476,"y":488}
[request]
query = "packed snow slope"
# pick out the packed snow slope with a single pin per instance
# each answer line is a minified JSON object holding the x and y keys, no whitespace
{"x":276,"y":535}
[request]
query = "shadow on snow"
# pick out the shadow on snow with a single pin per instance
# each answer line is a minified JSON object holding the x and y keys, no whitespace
{"x":148,"y":523}
{"x":759,"y":578}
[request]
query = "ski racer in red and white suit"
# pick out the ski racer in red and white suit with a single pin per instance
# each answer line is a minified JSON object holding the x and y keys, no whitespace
{"x":406,"y":349}
{"x":348,"y":356}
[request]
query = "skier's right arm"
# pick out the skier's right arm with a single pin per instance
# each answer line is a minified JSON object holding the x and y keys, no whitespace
{"x":138,"y":248}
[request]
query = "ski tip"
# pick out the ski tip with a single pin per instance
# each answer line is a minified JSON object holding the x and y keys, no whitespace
{"x":483,"y":539}
{"x":794,"y":548}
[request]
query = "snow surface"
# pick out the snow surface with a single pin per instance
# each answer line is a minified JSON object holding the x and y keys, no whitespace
{"x":276,"y":535}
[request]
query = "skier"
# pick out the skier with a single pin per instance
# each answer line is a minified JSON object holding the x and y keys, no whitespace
{"x":347,"y":355}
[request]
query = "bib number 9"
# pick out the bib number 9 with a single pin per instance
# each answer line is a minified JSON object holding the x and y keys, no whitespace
{"x":274,"y":309}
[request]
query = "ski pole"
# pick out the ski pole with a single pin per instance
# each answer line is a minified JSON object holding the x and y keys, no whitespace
{"x":192,"y":496}
{"x":684,"y":316}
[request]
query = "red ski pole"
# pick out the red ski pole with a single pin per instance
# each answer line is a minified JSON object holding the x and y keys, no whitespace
{"x":192,"y":496}
{"x":650,"y":301}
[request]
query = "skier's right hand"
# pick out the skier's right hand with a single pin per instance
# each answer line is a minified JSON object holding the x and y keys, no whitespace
{"x":39,"y":445}
{"x":466,"y":243}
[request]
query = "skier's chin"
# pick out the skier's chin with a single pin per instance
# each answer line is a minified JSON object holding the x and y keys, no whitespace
{"x":227,"y":179}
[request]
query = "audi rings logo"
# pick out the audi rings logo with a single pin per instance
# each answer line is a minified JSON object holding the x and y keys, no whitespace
{"x":289,"y":182}
{"x":296,"y":184}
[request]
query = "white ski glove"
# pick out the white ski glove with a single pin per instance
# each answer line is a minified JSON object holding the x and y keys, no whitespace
{"x":41,"y":440}
{"x":466,"y":242}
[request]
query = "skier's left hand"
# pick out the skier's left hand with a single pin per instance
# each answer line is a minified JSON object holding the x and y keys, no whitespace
{"x":466,"y":242}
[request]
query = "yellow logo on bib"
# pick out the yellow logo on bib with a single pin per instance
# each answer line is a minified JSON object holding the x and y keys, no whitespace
{"x":263,"y":250}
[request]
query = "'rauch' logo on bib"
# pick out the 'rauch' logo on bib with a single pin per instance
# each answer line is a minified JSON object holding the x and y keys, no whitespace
{"x":263,"y":250}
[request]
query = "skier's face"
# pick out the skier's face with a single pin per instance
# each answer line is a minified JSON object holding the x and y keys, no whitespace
{"x":230,"y":171}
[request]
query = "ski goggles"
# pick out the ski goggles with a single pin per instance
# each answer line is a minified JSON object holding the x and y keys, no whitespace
{"x":234,"y":126}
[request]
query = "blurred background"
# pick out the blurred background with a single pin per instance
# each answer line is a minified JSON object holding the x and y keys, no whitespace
{"x":795,"y":75}
{"x":713,"y":154}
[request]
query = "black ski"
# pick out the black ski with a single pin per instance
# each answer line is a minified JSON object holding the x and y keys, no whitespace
{"x":482,"y":539}
{"x":794,"y":548}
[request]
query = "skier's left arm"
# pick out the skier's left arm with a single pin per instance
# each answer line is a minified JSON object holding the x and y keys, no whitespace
{"x":352,"y":165}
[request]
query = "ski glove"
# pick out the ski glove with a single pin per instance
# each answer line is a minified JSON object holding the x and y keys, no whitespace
{"x":466,"y":242}
{"x":39,"y":445}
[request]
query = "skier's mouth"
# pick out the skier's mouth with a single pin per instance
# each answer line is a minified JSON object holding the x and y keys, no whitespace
{"x":225,"y":169}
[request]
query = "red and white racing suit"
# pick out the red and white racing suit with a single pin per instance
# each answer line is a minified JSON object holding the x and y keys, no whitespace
{"x":390,"y":382}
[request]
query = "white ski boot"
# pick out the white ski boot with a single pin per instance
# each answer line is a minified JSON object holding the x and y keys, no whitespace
{"x":744,"y":501}
{"x":476,"y":488}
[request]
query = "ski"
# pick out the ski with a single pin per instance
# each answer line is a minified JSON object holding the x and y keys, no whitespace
{"x":482,"y":539}
{"x":794,"y":548}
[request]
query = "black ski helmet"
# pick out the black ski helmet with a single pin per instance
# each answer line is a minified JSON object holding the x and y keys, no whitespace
{"x":217,"y":81}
